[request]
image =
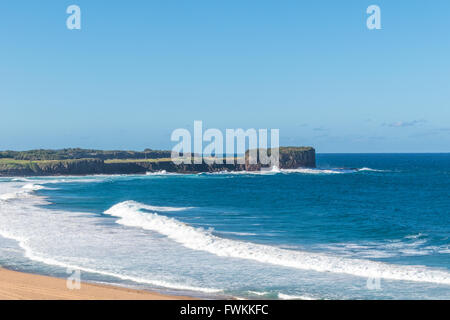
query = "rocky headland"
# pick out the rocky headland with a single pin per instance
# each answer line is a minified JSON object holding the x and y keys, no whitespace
{"x":89,"y":162}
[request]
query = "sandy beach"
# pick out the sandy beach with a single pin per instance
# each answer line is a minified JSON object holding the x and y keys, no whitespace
{"x":23,"y":286}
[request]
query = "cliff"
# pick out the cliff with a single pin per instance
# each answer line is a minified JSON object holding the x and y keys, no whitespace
{"x":77,"y":153}
{"x":289,"y":157}
{"x":51,"y":167}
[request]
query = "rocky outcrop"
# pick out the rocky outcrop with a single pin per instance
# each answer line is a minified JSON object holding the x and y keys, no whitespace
{"x":289,"y":158}
{"x":53,"y":167}
{"x":297,"y":157}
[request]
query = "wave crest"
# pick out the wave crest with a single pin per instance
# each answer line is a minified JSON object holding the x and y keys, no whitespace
{"x":24,"y":192}
{"x":131,"y":214}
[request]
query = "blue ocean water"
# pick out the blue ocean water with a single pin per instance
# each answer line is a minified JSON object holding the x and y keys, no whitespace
{"x":360,"y":226}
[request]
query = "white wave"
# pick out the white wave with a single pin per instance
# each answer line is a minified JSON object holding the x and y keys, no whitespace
{"x":413,"y":245}
{"x":9,"y":196}
{"x":442,"y":249}
{"x":258,"y":293}
{"x":25,"y":192}
{"x":236,"y":233}
{"x":370,"y":169}
{"x":317,"y":171}
{"x":50,"y":261}
{"x":272,"y":170}
{"x":415,"y":236}
{"x":275,"y":170}
{"x":263,"y":171}
{"x":348,"y":249}
{"x":20,"y":191}
{"x":130,"y":214}
{"x":291,"y":297}
{"x":88,"y":179}
{"x":328,"y":170}
{"x":68,"y":179}
{"x":33,"y":187}
{"x":157,"y":173}
{"x":165,"y":173}
{"x":226,"y":172}
{"x":154,"y":208}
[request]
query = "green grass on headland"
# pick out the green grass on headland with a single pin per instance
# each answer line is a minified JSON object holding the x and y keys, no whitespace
{"x":137,"y":160}
{"x":8,"y":163}
{"x":77,"y":153}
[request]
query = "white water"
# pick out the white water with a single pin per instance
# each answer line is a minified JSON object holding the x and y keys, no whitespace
{"x":38,"y":231}
{"x":82,"y":241}
{"x":130,"y":214}
{"x":291,"y":297}
{"x":276,"y":170}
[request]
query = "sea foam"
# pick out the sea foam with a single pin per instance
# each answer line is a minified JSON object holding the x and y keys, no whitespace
{"x":131,"y":214}
{"x":29,"y":204}
{"x":283,"y":296}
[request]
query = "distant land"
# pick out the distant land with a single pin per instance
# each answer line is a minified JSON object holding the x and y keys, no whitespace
{"x":75,"y":161}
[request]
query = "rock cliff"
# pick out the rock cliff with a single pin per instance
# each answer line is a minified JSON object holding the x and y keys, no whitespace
{"x":289,"y":158}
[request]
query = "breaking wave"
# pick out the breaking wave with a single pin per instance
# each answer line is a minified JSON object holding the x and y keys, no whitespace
{"x":370,"y":169}
{"x":319,"y":171}
{"x":165,"y":173}
{"x":276,"y":170}
{"x":411,"y":245}
{"x":23,"y":192}
{"x":50,"y":261}
{"x":21,"y":198}
{"x":131,"y":214}
{"x":283,"y":296}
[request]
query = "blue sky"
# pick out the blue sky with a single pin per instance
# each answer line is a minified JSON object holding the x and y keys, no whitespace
{"x":137,"y":70}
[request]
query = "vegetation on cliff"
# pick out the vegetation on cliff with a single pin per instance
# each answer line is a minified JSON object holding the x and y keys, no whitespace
{"x":77,"y":153}
{"x":84,"y":162}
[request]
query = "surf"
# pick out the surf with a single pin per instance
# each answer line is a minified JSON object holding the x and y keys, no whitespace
{"x":131,"y":214}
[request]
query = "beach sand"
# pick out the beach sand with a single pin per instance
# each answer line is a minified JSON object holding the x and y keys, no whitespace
{"x":23,"y":286}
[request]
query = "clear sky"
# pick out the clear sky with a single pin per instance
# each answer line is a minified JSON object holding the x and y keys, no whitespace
{"x":137,"y":70}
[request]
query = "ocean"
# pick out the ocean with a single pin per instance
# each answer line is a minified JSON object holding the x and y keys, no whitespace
{"x":360,"y":226}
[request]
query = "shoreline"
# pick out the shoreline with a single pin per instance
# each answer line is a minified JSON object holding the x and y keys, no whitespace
{"x":85,"y":162}
{"x":15,"y":285}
